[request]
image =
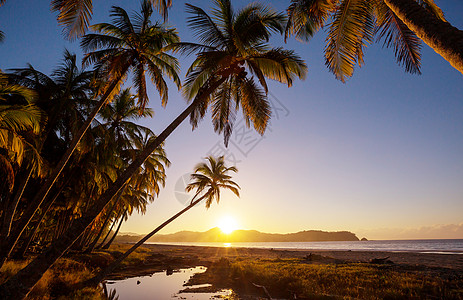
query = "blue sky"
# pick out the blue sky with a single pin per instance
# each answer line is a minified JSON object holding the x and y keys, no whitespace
{"x":380,"y":155}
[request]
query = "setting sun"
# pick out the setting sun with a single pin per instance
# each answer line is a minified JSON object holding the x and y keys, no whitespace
{"x":227,"y":224}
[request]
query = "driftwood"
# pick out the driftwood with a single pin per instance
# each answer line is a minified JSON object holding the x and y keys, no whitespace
{"x":264,"y":289}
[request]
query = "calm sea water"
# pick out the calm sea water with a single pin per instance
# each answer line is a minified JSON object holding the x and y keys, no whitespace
{"x":424,"y":246}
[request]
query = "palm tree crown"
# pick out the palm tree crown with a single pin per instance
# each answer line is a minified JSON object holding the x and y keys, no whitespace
{"x":136,"y":45}
{"x":353,"y":25}
{"x":233,"y":50}
{"x":211,"y":176}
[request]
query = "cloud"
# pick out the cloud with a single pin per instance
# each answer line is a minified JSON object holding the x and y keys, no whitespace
{"x":438,"y":231}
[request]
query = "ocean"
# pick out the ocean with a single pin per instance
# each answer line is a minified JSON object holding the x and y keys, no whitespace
{"x":454,"y":246}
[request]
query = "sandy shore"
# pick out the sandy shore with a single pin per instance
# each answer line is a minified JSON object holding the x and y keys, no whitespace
{"x":163,"y":257}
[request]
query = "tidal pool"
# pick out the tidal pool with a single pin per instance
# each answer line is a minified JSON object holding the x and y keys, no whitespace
{"x":161,"y":286}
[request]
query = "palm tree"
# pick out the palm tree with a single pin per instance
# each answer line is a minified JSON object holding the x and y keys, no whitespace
{"x":354,"y":24}
{"x":437,"y":33}
{"x":75,"y":15}
{"x":208,"y":179}
{"x":127,"y":46}
{"x":20,"y":119}
{"x":62,"y":97}
{"x":241,"y":40}
{"x":127,"y":139}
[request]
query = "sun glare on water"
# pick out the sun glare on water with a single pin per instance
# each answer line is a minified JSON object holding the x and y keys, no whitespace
{"x":228,"y":224}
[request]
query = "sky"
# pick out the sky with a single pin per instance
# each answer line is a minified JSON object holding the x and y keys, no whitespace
{"x":380,"y":155}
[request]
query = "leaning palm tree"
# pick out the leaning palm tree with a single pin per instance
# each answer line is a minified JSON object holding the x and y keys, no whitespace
{"x":234,"y":49}
{"x":354,"y":24}
{"x":208,"y":179}
{"x":118,"y":49}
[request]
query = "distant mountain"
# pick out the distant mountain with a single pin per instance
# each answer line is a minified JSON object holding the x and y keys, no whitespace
{"x":216,"y":235}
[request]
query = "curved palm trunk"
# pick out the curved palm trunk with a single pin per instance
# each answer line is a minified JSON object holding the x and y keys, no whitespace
{"x":442,"y":37}
{"x":13,"y":238}
{"x":108,"y":217}
{"x":109,"y":269}
{"x":115,"y":233}
{"x":11,"y":210}
{"x":107,"y":235}
{"x":19,"y":285}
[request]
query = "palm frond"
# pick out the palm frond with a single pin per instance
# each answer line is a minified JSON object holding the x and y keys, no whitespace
{"x":256,"y":107}
{"x":224,"y":110}
{"x":74,"y":15}
{"x":254,"y":24}
{"x":306,"y":17}
{"x":204,"y":27}
{"x":162,"y":6}
{"x":185,"y":48}
{"x":396,"y":34}
{"x":121,"y":19}
{"x":351,"y":28}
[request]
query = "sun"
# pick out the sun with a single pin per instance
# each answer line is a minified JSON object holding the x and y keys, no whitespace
{"x":227,"y":224}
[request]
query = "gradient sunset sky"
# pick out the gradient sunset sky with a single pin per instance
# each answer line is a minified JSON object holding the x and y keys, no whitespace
{"x":381,"y":155}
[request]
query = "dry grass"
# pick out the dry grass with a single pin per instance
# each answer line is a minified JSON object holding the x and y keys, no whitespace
{"x":58,"y":281}
{"x":284,"y":278}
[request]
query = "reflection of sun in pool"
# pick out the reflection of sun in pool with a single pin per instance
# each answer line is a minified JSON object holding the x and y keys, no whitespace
{"x":227,"y":224}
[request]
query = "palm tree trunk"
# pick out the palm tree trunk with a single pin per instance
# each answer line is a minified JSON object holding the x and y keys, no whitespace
{"x":115,"y":233}
{"x":36,"y":226}
{"x":445,"y":39}
{"x":108,"y":217}
{"x":105,"y":272}
{"x":13,"y":238}
{"x":19,"y":285}
{"x":107,"y":235}
{"x":11,"y":210}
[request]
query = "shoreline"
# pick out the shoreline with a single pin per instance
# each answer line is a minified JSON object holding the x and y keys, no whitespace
{"x":305,"y":273}
{"x":162,"y":257}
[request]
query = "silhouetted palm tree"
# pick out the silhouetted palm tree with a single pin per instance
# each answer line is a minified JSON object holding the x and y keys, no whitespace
{"x":354,"y":24}
{"x":123,"y":47}
{"x":208,"y":179}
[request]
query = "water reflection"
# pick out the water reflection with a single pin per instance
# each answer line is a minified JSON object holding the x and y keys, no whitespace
{"x":162,"y":286}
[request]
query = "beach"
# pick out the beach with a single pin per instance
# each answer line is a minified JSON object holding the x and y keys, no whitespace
{"x":188,"y":256}
{"x":360,"y":274}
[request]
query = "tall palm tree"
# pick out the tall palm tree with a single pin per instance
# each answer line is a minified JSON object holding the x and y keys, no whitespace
{"x":241,"y":40}
{"x":127,"y":139}
{"x":62,"y":97}
{"x":118,"y":49}
{"x":16,"y":117}
{"x":20,"y":120}
{"x":208,"y":179}
{"x":354,"y":24}
{"x":75,"y":15}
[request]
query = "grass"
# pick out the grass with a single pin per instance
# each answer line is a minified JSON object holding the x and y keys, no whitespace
{"x":60,"y":280}
{"x":285,"y":278}
{"x":57,"y":282}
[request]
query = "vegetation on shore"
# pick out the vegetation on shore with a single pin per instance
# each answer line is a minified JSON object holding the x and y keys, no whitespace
{"x":312,"y":277}
{"x":289,"y":278}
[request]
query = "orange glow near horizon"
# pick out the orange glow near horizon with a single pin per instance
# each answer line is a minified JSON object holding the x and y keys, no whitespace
{"x":227,"y":224}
